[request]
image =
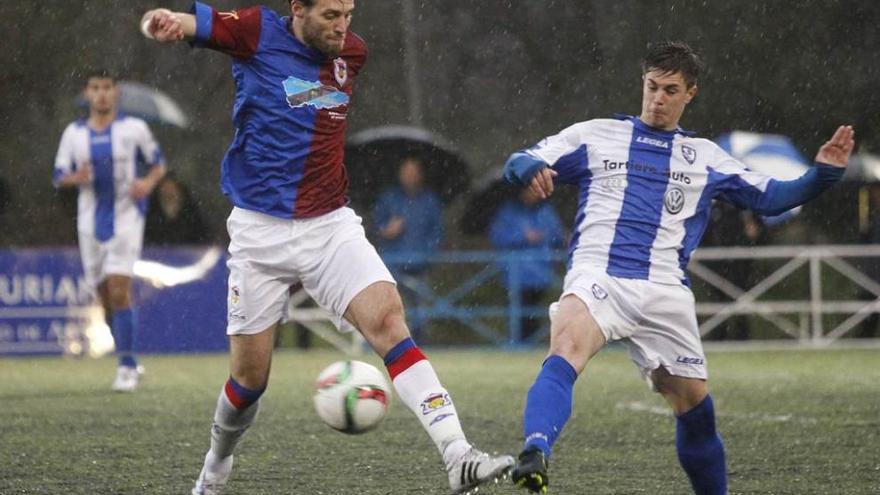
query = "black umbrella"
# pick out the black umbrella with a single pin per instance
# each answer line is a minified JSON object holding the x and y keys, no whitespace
{"x":490,"y":193}
{"x":372,"y":158}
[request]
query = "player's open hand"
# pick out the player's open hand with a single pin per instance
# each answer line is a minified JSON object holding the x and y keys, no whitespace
{"x":162,"y":25}
{"x":836,"y":151}
{"x":542,"y":183}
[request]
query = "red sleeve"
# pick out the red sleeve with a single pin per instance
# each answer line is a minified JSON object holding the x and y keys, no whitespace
{"x":235,"y":33}
{"x":355,"y":52}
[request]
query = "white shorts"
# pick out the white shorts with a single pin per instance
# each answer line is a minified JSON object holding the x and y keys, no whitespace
{"x":115,"y":256}
{"x":656,"y":322}
{"x":329,"y":255}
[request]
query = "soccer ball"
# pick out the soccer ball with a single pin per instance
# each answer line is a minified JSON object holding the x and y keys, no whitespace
{"x":352,"y":396}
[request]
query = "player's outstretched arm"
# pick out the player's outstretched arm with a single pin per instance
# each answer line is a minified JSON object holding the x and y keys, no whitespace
{"x":831,"y":160}
{"x":837,"y":150}
{"x":166,"y":26}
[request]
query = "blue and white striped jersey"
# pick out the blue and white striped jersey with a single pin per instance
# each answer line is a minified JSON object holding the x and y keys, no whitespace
{"x":646,"y":193}
{"x":117,"y":155}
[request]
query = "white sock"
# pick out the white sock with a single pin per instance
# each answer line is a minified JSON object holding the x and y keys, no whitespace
{"x":421,"y":391}
{"x":230,"y":424}
{"x":215,"y":465}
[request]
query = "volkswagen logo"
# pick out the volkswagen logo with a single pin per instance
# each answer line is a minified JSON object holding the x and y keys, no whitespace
{"x":674,"y":200}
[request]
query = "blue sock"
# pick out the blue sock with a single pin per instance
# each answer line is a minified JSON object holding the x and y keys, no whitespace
{"x":123,"y":334}
{"x":700,"y":450}
{"x":548,"y":404}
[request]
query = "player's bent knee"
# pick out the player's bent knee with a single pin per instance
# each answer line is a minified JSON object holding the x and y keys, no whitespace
{"x":682,"y":394}
{"x":118,"y":296}
{"x":391,"y":323}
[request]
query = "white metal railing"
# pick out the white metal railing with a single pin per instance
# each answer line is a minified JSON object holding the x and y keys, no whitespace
{"x":810,"y":311}
{"x":808,"y":327}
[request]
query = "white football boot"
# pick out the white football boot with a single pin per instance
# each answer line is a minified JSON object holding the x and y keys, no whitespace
{"x":127,"y":379}
{"x":474,"y":468}
{"x":213,"y":481}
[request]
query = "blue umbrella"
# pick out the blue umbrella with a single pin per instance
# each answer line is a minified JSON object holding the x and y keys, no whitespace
{"x":771,"y":154}
{"x":148,"y":103}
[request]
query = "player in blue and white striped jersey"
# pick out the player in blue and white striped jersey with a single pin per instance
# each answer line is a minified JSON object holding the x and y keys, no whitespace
{"x":115,"y":163}
{"x":646,"y":188}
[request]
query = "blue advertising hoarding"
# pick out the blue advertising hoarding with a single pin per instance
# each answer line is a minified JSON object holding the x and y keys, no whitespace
{"x":46,"y":306}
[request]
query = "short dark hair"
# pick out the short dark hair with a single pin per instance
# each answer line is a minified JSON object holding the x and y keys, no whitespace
{"x":99,"y":73}
{"x":307,"y":3}
{"x":670,"y":57}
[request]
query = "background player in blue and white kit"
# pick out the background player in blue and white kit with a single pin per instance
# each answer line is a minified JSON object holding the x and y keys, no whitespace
{"x":115,"y":163}
{"x":284,"y":174}
{"x":646,"y":188}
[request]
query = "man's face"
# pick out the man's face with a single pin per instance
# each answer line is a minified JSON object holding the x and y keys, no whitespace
{"x":664,"y":96}
{"x":410,"y":175}
{"x":324,"y":25}
{"x":101,"y":93}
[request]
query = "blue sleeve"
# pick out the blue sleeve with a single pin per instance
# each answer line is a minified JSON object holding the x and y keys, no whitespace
{"x":522,"y":167}
{"x":781,"y":196}
{"x":505,"y":231}
{"x":204,"y":22}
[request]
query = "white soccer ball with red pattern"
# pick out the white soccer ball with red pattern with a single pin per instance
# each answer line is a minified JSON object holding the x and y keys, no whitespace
{"x":352,"y":396}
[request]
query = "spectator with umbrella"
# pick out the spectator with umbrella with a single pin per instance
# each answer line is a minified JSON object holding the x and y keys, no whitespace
{"x":527,"y":224}
{"x":408,"y":218}
{"x":174,"y":217}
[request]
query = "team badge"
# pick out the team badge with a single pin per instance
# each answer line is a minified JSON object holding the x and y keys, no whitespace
{"x":235,"y":311}
{"x":234,"y":295}
{"x":340,"y":71}
{"x":674,"y":200}
{"x":599,"y":292}
{"x":435,"y":402}
{"x":689,"y":153}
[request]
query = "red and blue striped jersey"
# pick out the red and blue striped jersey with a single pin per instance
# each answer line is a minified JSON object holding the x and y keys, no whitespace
{"x":291,"y":103}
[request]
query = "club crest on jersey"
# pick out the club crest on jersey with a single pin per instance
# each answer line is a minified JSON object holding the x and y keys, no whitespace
{"x":301,"y":93}
{"x":340,"y":71}
{"x":689,"y":153}
{"x":674,"y":200}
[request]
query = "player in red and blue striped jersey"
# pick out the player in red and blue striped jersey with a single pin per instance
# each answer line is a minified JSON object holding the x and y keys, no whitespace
{"x":290,"y":224}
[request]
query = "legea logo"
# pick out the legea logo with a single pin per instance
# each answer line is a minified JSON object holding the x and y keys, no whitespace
{"x":659,"y":143}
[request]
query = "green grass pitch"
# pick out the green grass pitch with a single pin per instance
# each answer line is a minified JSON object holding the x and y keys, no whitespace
{"x":794,"y":422}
